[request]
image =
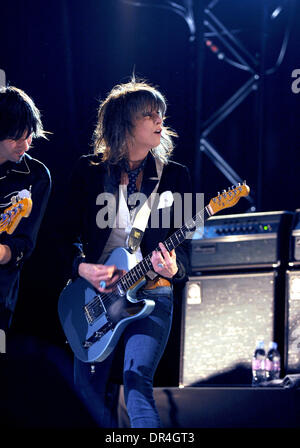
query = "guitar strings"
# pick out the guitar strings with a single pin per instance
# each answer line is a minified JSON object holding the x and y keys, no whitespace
{"x":10,"y":202}
{"x":180,"y":236}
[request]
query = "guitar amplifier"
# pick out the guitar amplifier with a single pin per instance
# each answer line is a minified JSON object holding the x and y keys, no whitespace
{"x":223,"y":316}
{"x":292,"y":337}
{"x":242,"y":241}
{"x":294,"y":258}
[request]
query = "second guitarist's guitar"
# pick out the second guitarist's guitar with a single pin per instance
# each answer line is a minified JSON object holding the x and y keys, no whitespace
{"x":93,"y":322}
{"x":20,"y":208}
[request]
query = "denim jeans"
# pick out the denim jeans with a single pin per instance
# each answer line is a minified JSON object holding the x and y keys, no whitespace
{"x":142,"y":344}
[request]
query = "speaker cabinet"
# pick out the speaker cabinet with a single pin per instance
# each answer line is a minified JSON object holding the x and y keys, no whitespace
{"x":223,"y":316}
{"x":292,"y":339}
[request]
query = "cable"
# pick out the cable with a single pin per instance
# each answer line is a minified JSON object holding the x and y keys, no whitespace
{"x":285,"y":40}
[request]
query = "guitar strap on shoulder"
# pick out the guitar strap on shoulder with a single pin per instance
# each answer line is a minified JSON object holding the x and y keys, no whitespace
{"x":142,"y":216}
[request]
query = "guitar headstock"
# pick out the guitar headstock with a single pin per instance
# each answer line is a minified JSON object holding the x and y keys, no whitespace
{"x":228,"y":198}
{"x":13,"y":215}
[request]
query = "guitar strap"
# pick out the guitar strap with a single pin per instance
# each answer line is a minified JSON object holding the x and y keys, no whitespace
{"x":142,"y":216}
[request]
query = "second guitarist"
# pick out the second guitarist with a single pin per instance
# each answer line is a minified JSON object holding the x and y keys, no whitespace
{"x":132,"y":150}
{"x":20,"y":123}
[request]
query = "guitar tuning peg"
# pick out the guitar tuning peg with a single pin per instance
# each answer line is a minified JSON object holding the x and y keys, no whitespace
{"x":244,"y":183}
{"x":224,"y":191}
{"x":219,"y":193}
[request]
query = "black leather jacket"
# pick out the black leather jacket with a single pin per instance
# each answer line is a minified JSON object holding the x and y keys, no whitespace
{"x":32,"y":175}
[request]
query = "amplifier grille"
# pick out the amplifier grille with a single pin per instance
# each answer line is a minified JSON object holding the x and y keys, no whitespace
{"x":223,"y":316}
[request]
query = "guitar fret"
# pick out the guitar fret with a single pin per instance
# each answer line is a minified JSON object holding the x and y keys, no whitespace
{"x":144,"y":268}
{"x":173,"y":242}
{"x":182,"y":233}
{"x":181,"y":238}
{"x":191,"y":224}
{"x":134,"y":275}
{"x":131,"y":278}
{"x":178,"y":241}
{"x":148,"y":264}
{"x":124,"y":279}
{"x":170,"y":244}
{"x":138,"y":268}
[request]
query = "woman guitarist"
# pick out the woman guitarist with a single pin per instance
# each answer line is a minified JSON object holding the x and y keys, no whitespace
{"x":132,"y":150}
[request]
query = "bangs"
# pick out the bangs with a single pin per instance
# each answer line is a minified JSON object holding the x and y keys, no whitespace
{"x":16,"y":130}
{"x":23,"y":128}
{"x":146,"y":101}
{"x":117,"y":117}
{"x":19,"y":116}
{"x":24,"y":121}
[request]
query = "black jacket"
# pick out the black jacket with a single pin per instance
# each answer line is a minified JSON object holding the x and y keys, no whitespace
{"x":90,"y":178}
{"x":32,"y":175}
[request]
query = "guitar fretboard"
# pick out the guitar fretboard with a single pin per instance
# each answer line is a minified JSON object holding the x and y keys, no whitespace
{"x":144,"y":266}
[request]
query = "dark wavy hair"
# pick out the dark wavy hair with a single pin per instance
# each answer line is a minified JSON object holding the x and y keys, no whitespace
{"x":18,"y":114}
{"x":116,"y":117}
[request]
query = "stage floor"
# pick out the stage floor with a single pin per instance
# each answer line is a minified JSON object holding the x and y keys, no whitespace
{"x":224,"y":407}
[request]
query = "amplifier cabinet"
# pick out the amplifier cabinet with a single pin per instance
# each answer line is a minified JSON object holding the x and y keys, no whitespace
{"x":292,"y":338}
{"x":223,"y":317}
{"x":250,"y":240}
{"x":234,"y":252}
{"x":295,"y":241}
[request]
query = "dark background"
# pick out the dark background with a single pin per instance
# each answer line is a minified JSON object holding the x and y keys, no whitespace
{"x":67,"y":55}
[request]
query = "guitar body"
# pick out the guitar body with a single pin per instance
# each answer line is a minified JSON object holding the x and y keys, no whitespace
{"x":92,"y":321}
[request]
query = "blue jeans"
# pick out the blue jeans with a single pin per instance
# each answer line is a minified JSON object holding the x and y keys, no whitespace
{"x":142,"y":343}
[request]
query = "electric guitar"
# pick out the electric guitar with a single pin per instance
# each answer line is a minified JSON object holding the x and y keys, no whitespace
{"x":20,"y":208}
{"x":92,"y":321}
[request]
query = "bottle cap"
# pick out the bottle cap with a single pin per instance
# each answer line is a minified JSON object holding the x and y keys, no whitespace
{"x":273,"y":345}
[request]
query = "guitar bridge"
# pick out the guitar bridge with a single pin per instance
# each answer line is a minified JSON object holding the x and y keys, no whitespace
{"x":94,"y":309}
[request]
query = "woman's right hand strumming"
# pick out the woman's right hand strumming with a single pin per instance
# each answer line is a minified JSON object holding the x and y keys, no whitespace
{"x":102,"y":277}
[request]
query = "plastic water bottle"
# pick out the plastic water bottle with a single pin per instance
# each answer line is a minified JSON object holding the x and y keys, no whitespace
{"x":258,"y":364}
{"x":273,"y":363}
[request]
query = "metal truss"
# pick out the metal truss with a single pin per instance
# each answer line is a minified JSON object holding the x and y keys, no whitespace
{"x":235,"y":54}
{"x":242,"y":59}
{"x":183,"y":8}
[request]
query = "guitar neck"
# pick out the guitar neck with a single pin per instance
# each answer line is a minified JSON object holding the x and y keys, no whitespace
{"x":177,"y":238}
